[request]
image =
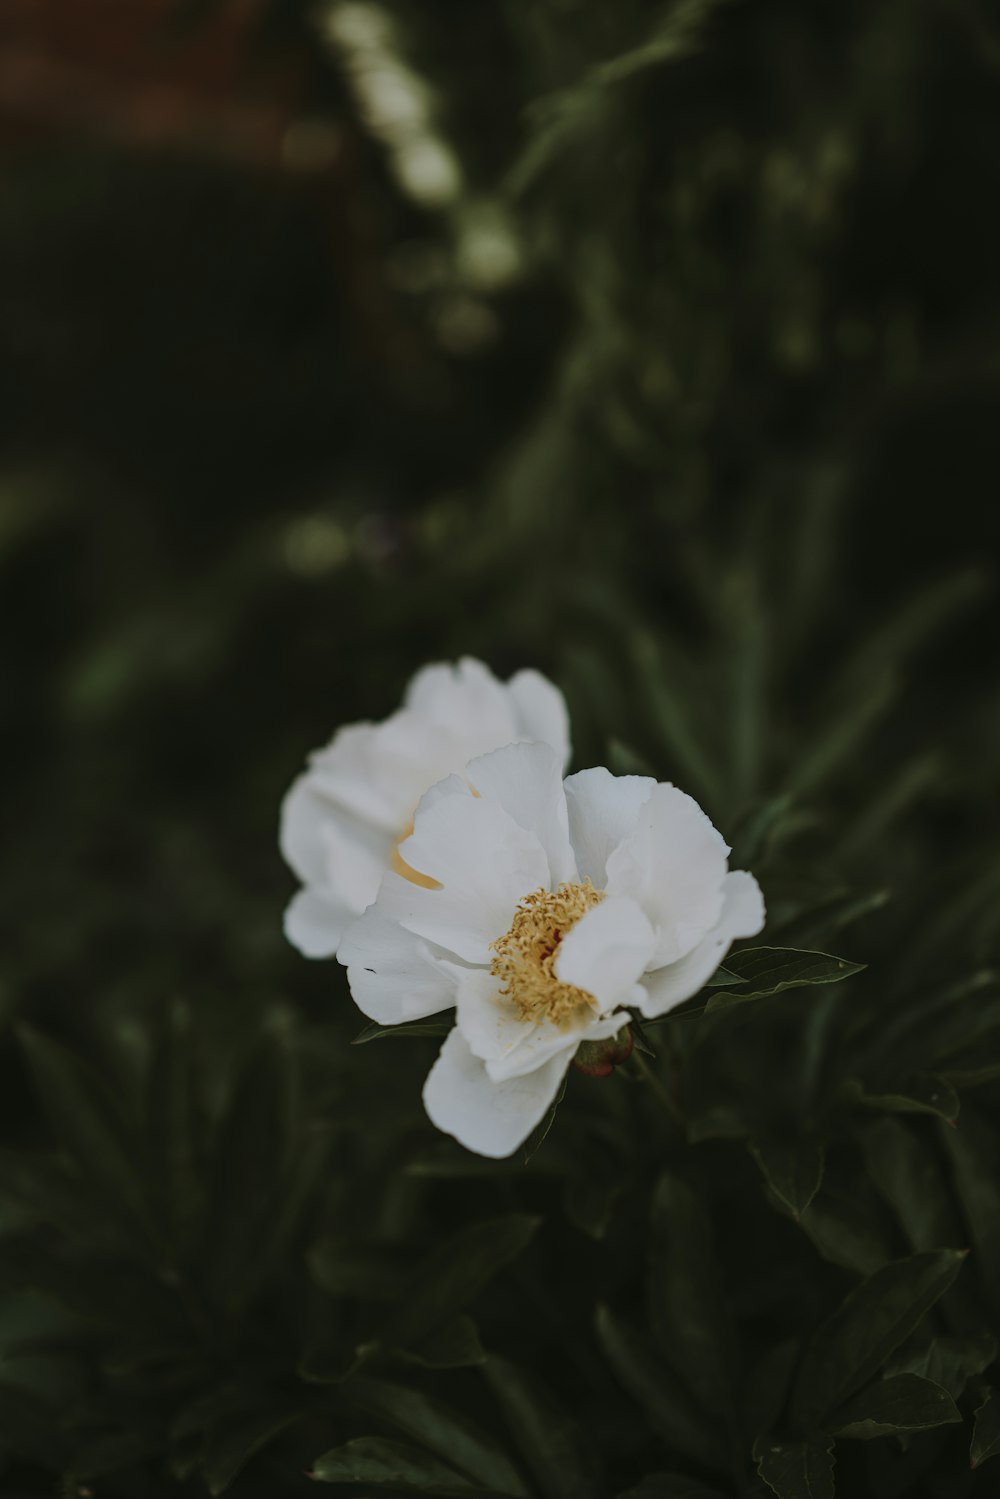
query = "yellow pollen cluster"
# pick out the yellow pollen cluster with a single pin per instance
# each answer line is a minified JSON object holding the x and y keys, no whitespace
{"x":525,"y":956}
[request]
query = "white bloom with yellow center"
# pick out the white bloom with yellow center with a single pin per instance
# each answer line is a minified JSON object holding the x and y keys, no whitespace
{"x":542,"y":910}
{"x":343,"y":820}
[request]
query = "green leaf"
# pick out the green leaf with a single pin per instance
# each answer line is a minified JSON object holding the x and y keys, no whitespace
{"x":387,"y":1464}
{"x":454,"y":1275}
{"x":986,"y":1430}
{"x":687,"y":1296}
{"x":538,"y":1135}
{"x":251,"y":1158}
{"x":83,"y":1120}
{"x":797,"y":1470}
{"x":173,"y":1121}
{"x":903,"y":1402}
{"x":373,"y":1031}
{"x":772,"y":970}
{"x":44,"y":1191}
{"x":550,"y":1441}
{"x":765,"y":1388}
{"x":871,"y":1322}
{"x":233,"y":1443}
{"x":923,"y":1094}
{"x":444,"y":1431}
{"x":792,"y":1169}
{"x":664,"y":1399}
{"x":456,"y":1345}
{"x":722,"y":978}
{"x":909,"y":1175}
{"x":974,"y":1151}
{"x":844,"y":1232}
{"x":947,"y":1361}
{"x":670,"y":1486}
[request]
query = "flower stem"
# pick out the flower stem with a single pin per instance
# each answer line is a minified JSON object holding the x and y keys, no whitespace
{"x":642,"y":1069}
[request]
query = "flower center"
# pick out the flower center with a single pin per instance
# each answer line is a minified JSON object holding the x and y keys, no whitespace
{"x":525,"y":956}
{"x":399,"y":865}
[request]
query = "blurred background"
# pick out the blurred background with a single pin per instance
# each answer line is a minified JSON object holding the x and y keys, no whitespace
{"x":341,"y":337}
{"x":655,"y":346}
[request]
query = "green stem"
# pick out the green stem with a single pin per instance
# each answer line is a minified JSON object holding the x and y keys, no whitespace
{"x":646,"y":1074}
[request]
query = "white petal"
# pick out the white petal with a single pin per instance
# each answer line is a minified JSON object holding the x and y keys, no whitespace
{"x":540,"y":712}
{"x":451,"y":785}
{"x":487,"y":1019}
{"x":742,"y":916}
{"x":509,"y":1046}
{"x":484,"y":863}
{"x":526,"y":781}
{"x":314,"y":924}
{"x":362,"y":772}
{"x":492,"y":1119}
{"x":673,"y":864}
{"x":303,"y":816}
{"x":394,"y":976}
{"x":606,"y":951}
{"x":603,"y":810}
{"x":465,"y":699}
{"x":546,"y":1041}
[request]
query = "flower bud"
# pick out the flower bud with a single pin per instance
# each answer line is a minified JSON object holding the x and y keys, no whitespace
{"x":600,"y":1058}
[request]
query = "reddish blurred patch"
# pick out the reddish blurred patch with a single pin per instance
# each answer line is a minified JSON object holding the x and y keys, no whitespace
{"x":126,"y":70}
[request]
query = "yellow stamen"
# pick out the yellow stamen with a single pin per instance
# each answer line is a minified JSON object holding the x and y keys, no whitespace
{"x":400,"y":866}
{"x":525,"y":956}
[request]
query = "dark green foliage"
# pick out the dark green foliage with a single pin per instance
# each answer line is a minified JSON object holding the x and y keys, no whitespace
{"x":718,"y":451}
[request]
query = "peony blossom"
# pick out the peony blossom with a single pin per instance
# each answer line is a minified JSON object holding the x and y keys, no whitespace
{"x":343,"y":820}
{"x":543,"y":911}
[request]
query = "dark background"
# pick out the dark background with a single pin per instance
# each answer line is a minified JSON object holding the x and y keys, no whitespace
{"x":276,"y":429}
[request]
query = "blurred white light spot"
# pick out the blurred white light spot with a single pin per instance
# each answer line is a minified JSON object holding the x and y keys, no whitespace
{"x":362,"y":28}
{"x":428,"y":171}
{"x":395,"y":101}
{"x":489,"y":255}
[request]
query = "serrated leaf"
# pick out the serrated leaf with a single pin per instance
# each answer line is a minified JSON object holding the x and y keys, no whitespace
{"x":442,"y":1430}
{"x":792,"y":1169}
{"x":797,"y":1470}
{"x":923,"y":1094}
{"x":903,"y":1402}
{"x":450,"y":1279}
{"x":390,"y":1465}
{"x":687,"y":1296}
{"x":947,"y":1361}
{"x":773,"y":970}
{"x":664,"y":1399}
{"x":986,"y":1430}
{"x":870,"y":1323}
{"x":409,"y":1030}
{"x":550,"y":1441}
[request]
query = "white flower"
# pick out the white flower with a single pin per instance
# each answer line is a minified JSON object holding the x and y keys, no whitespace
{"x":544,"y":911}
{"x":343,"y":820}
